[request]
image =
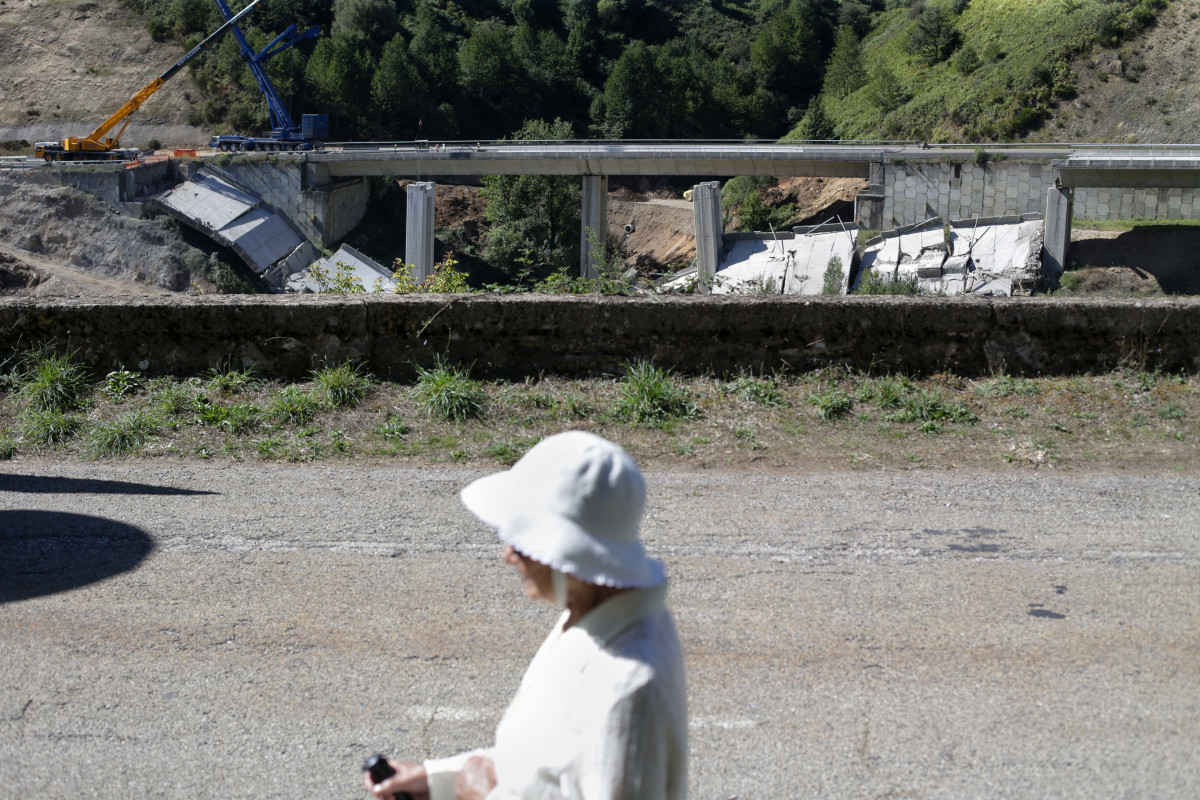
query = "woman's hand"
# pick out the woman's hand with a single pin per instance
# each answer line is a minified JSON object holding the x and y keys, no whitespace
{"x":475,"y":779}
{"x":409,"y":778}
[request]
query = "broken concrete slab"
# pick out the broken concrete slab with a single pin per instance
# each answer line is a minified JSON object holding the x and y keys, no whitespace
{"x":208,"y":201}
{"x":346,"y":262}
{"x":788,"y":262}
{"x":971,"y":257}
{"x":232,"y":215}
{"x":1008,"y":246}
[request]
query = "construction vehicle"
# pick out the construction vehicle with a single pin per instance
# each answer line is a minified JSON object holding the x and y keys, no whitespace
{"x":98,"y":145}
{"x":285,"y":133}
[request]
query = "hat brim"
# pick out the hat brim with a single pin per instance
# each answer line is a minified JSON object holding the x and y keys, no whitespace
{"x":500,"y":503}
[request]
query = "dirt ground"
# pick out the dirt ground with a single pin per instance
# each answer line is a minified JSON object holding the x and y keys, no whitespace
{"x":1148,"y":91}
{"x":1144,"y":261}
{"x":88,"y":248}
{"x":67,"y":66}
{"x":31,"y":275}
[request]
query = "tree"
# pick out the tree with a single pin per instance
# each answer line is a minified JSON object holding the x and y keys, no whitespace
{"x":834,"y":281}
{"x":397,"y":91}
{"x":630,"y":107}
{"x":814,"y":126}
{"x":340,"y":71}
{"x":886,"y":91}
{"x":535,"y":218}
{"x":844,"y":72}
{"x":934,"y":36}
{"x":374,"y":20}
{"x":787,"y":55}
{"x":487,"y":65}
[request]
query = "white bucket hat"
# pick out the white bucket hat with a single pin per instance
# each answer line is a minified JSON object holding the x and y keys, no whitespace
{"x":573,"y":502}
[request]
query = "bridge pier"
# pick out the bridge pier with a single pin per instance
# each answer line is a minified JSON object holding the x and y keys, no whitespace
{"x":1060,"y":203}
{"x":418,"y":232}
{"x":710,"y":232}
{"x":593,"y":232}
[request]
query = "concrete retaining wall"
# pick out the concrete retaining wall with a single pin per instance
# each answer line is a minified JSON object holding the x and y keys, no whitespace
{"x":523,"y":335}
{"x":324,"y":211}
{"x":913,"y":191}
{"x":1101,"y":204}
{"x":103,"y":182}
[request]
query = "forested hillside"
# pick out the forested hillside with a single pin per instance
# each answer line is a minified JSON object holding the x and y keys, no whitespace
{"x":401,"y":69}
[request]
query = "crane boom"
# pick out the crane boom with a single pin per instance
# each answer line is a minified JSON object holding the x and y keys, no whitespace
{"x":285,"y":133}
{"x":97,"y":145}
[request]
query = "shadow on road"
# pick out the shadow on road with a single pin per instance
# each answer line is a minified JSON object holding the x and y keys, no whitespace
{"x":43,"y":552}
{"x":39,"y":484}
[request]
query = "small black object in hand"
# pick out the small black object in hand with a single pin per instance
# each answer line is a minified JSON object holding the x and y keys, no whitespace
{"x":380,"y":770}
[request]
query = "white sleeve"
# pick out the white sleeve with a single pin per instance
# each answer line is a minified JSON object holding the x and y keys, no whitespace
{"x":441,"y":772}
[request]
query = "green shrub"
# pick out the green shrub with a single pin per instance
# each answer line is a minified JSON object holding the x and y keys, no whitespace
{"x":832,"y":404}
{"x":207,"y":412}
{"x":890,"y":392}
{"x":49,"y":426}
{"x":872,"y":282}
{"x":229,"y":381}
{"x":8,"y":446}
{"x":174,"y":399}
{"x":241,"y":418}
{"x":121,"y":383}
{"x":929,"y":406}
{"x":835,"y":279}
{"x":294,"y":406}
{"x":1008,"y":386}
{"x":1170,"y":411}
{"x":55,"y":383}
{"x":448,"y":393}
{"x":648,"y":396}
{"x":393,"y":427}
{"x":126,"y":434}
{"x":763,"y":391}
{"x":343,"y":386}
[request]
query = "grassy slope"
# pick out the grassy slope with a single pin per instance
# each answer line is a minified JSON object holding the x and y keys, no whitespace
{"x":1014,"y":39}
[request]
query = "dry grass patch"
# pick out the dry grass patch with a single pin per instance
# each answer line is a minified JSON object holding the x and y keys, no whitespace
{"x":829,"y":417}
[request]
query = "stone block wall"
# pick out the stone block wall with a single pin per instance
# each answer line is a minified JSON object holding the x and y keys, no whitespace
{"x":520,"y":335}
{"x":1100,"y":204}
{"x":914,"y":191}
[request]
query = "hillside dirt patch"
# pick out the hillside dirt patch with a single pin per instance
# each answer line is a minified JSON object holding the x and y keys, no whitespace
{"x":1143,"y":261}
{"x":81,"y":239}
{"x":68,"y":65}
{"x":1146,"y":91}
{"x":818,"y":199}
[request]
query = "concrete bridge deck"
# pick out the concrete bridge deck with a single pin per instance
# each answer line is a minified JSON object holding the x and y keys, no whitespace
{"x":1151,"y":168}
{"x":780,"y":159}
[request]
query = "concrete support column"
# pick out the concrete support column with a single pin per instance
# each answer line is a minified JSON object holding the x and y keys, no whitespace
{"x":593,"y":226}
{"x":710,"y":233}
{"x":868,"y":205}
{"x":1060,"y":205}
{"x":418,"y":233}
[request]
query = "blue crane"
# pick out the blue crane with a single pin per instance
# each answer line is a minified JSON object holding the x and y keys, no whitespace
{"x":285,"y":133}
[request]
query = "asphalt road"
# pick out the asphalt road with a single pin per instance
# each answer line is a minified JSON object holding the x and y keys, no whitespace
{"x":242,"y":630}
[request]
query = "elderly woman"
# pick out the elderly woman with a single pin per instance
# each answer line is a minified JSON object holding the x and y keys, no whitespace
{"x":601,"y":713}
